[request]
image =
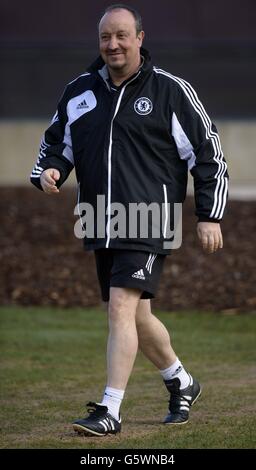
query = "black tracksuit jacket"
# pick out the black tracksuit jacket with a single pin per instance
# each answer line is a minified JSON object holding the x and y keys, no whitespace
{"x":135,"y":144}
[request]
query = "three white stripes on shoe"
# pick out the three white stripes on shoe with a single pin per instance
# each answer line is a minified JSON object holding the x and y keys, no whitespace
{"x":106,"y":423}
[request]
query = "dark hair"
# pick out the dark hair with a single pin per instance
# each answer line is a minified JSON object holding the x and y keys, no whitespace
{"x":135,"y":13}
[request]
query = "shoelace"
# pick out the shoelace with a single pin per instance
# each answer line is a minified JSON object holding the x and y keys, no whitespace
{"x":174,"y":402}
{"x":94,"y":410}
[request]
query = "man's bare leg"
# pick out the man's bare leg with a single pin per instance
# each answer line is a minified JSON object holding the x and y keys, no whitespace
{"x":154,"y":342}
{"x":123,"y":338}
{"x":153,"y":337}
{"x":122,"y":348}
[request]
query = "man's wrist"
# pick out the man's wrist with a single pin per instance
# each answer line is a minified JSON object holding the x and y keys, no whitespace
{"x":208,"y":219}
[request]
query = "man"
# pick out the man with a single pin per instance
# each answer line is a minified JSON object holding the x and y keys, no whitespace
{"x":132,"y":131}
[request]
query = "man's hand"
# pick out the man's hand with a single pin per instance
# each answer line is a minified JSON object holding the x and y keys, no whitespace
{"x":210,"y":236}
{"x":48,"y":180}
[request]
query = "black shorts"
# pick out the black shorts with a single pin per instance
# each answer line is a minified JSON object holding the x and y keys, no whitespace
{"x":128,"y":268}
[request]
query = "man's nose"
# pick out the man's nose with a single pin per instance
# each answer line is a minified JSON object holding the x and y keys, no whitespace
{"x":113,"y":44}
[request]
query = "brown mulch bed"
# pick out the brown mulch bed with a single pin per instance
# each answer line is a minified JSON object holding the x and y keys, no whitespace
{"x":42,"y":263}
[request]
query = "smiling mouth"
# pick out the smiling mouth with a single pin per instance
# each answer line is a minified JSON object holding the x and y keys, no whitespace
{"x":114,"y":53}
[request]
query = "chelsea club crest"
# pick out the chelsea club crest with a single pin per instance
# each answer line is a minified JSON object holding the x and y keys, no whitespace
{"x":143,"y":106}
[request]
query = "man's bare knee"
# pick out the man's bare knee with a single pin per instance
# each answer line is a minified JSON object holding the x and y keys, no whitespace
{"x":122,"y":303}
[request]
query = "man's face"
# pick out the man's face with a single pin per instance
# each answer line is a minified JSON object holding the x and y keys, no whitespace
{"x":119,"y":42}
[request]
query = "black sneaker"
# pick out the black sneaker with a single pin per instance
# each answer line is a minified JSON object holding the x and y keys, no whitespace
{"x":181,"y":400}
{"x":99,"y":422}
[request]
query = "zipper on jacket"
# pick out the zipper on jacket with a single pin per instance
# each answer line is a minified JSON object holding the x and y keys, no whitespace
{"x":110,"y":155}
{"x":165,"y":210}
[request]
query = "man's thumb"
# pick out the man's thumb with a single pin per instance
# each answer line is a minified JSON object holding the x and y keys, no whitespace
{"x":56,"y":175}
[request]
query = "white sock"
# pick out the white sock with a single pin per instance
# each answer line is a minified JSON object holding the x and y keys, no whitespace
{"x":176,"y":370}
{"x":112,"y":398}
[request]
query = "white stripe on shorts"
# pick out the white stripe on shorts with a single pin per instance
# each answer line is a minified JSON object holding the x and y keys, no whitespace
{"x":150,"y":262}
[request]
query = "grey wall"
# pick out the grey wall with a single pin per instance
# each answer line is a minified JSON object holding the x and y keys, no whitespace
{"x":46,"y":44}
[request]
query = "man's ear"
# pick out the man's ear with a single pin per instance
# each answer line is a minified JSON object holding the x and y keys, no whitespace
{"x":141,"y":36}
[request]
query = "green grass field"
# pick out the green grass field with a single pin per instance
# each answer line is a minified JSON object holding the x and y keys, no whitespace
{"x":53,"y":362}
